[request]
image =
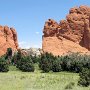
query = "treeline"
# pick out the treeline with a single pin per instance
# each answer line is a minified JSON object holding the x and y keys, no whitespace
{"x":74,"y":62}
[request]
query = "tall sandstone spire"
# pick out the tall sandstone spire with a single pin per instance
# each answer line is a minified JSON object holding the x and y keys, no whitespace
{"x":8,"y":39}
{"x":70,"y":35}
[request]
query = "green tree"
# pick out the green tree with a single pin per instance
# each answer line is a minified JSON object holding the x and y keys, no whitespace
{"x":25,"y":64}
{"x":3,"y":65}
{"x":46,"y":61}
{"x":8,"y":55}
{"x":84,"y":79}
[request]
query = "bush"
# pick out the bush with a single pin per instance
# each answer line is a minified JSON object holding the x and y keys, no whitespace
{"x":3,"y":65}
{"x":84,"y":77}
{"x":19,"y":55}
{"x":9,"y":53}
{"x":14,"y":59}
{"x":45,"y":65}
{"x":56,"y":66}
{"x":65,"y":62}
{"x":74,"y":62}
{"x":46,"y":61}
{"x":35,"y":58}
{"x":25,"y":64}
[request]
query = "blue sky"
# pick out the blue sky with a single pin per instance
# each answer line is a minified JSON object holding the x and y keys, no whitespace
{"x":28,"y":17}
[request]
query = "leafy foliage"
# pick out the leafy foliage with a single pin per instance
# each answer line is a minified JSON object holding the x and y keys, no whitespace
{"x":73,"y":62}
{"x":84,"y":77}
{"x":46,"y":61}
{"x":16,"y":57}
{"x":56,"y":66}
{"x":3,"y":65}
{"x":9,"y":53}
{"x":25,"y":64}
{"x":35,"y":58}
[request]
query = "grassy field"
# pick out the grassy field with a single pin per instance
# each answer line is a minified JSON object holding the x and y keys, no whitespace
{"x":17,"y":80}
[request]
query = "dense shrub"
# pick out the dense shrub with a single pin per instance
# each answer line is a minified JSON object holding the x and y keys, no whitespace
{"x":86,"y":61}
{"x":25,"y":64}
{"x":46,"y":61}
{"x":56,"y":66}
{"x":49,"y":62}
{"x":45,"y":65}
{"x":35,"y":58}
{"x":65,"y":62}
{"x":9,"y":53}
{"x":3,"y":65}
{"x":19,"y":55}
{"x":14,"y":59}
{"x":74,"y":62}
{"x":84,"y":77}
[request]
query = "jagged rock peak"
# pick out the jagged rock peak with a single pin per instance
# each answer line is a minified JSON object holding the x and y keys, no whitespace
{"x":74,"y":29}
{"x":8,"y":39}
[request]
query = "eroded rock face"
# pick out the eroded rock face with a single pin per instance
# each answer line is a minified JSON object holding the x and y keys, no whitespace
{"x":70,"y":35}
{"x":8,"y":39}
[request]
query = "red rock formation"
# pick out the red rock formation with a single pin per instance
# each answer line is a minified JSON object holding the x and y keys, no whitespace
{"x":8,"y":39}
{"x":70,"y":35}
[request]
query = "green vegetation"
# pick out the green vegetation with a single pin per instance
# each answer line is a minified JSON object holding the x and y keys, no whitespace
{"x":46,"y":61}
{"x":84,"y":77}
{"x":72,"y":63}
{"x":56,"y":66}
{"x":4,"y":67}
{"x":35,"y":58}
{"x":75,"y":62}
{"x":8,"y":53}
{"x":17,"y":80}
{"x":26,"y":72}
{"x":25,"y":64}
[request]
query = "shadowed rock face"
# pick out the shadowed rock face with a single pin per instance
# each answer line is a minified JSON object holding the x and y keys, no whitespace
{"x":8,"y":39}
{"x":70,"y":35}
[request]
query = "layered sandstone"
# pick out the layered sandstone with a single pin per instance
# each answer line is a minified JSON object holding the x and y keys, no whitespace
{"x":70,"y":35}
{"x":8,"y":39}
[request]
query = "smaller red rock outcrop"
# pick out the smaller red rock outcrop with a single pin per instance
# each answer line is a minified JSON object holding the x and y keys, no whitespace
{"x":8,"y":39}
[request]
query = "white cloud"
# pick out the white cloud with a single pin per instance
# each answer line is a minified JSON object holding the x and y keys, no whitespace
{"x":27,"y":45}
{"x":24,"y":44}
{"x":37,"y":32}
